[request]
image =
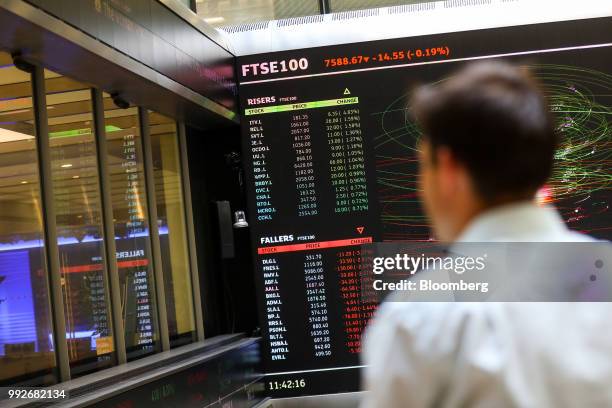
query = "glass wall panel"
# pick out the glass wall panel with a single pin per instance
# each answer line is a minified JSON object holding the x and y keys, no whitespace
{"x":76,"y":192}
{"x":186,"y":3}
{"x":172,"y":228}
{"x":348,"y":5}
{"x":230,"y":12}
{"x":128,"y":191}
{"x":26,"y":347}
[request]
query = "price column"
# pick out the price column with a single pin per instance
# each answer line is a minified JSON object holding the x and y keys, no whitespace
{"x":303,"y":165}
{"x":316,"y":296}
{"x":98,"y":303}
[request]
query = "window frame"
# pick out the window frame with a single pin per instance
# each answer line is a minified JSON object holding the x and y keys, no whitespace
{"x":111,"y":274}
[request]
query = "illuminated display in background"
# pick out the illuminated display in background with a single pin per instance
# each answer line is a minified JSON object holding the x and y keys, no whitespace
{"x":128,"y":192}
{"x":78,"y":217}
{"x":331,"y":155}
{"x":171,"y":218}
{"x":26,"y":349}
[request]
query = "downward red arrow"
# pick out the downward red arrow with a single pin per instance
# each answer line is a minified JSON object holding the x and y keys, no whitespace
{"x":360,"y":229}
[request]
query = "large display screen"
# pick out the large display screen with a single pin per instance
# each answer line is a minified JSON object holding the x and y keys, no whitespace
{"x":330,"y":157}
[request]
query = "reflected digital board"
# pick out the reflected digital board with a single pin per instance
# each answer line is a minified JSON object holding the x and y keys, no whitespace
{"x":330,"y":157}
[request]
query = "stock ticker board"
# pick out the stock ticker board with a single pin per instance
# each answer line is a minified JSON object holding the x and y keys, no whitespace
{"x":330,"y":156}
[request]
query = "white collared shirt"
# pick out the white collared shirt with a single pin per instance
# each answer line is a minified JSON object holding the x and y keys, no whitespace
{"x":422,"y":355}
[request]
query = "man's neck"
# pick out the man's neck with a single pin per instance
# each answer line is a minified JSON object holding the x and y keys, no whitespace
{"x":516,"y":221}
{"x":477,"y":209}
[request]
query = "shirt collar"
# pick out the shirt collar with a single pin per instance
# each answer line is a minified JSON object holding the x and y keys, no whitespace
{"x":524,"y":221}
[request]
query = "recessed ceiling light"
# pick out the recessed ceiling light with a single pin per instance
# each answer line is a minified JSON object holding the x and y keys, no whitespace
{"x":24,"y":182}
{"x":214,"y":20}
{"x":75,"y":177}
{"x":66,"y":166}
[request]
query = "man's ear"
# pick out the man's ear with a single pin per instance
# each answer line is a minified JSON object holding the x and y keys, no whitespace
{"x":449,"y":171}
{"x":423,"y":150}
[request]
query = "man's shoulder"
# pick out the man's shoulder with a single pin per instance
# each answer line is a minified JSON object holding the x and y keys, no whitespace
{"x":437,"y":316}
{"x":574,"y":236}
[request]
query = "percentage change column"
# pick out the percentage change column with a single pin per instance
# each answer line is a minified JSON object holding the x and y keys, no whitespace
{"x":347,"y":160}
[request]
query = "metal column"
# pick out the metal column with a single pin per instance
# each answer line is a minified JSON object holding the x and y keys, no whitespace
{"x":49,"y":220}
{"x":149,"y":172}
{"x":112,"y":280}
{"x":324,"y":7}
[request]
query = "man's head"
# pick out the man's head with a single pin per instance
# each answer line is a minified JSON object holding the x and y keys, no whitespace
{"x":488,"y":139}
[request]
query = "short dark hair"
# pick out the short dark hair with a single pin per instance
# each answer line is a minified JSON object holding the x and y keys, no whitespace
{"x":494,"y":119}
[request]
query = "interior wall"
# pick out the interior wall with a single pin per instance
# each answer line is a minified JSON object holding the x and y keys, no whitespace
{"x":228,"y":286}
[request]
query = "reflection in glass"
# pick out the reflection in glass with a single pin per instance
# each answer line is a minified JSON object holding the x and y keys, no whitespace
{"x":224,"y":12}
{"x":172,"y":229}
{"x":26,"y":349}
{"x":125,"y":161}
{"x":79,"y":224}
